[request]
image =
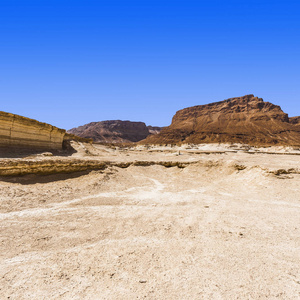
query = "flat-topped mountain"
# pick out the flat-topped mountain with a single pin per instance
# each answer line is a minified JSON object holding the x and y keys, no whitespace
{"x":246,"y":119}
{"x":115,"y":131}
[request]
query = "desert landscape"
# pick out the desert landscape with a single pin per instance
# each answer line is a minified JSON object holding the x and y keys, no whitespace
{"x":210,"y":222}
{"x":152,"y":220}
{"x":149,"y":150}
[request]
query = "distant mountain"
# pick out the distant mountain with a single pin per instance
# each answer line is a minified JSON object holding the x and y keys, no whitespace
{"x":154,"y":129}
{"x":115,"y":131}
{"x":295,"y":120}
{"x":246,"y":119}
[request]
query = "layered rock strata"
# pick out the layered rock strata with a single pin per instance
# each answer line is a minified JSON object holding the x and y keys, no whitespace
{"x":246,"y":119}
{"x":56,"y":166}
{"x":19,"y":132}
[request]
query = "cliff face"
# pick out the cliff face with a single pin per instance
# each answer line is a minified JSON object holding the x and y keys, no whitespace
{"x":115,"y":131}
{"x":245,"y":119}
{"x":20,"y":132}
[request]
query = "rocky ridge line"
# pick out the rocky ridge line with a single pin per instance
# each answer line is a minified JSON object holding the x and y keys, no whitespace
{"x":21,"y":167}
{"x":115,"y":131}
{"x":247,"y":119}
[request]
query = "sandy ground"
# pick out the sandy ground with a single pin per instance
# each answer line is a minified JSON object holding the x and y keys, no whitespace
{"x":206,"y":231}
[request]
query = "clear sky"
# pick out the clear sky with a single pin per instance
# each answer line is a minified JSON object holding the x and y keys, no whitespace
{"x":70,"y":62}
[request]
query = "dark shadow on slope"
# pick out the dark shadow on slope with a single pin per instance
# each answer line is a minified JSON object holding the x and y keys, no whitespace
{"x":13,"y":152}
{"x":33,"y":178}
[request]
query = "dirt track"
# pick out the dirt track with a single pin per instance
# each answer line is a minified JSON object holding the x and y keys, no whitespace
{"x":210,"y":230}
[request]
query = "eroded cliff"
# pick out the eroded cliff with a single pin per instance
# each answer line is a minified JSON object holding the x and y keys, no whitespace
{"x":24,"y":133}
{"x":246,"y":119}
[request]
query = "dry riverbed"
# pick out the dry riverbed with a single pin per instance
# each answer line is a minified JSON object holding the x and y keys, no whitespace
{"x":152,"y":223}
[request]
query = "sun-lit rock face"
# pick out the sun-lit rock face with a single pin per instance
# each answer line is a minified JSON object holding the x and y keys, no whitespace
{"x":24,"y":133}
{"x":246,"y":119}
{"x":115,"y":131}
{"x":154,"y":129}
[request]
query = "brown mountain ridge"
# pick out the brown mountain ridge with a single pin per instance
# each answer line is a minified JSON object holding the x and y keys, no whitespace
{"x":246,"y":119}
{"x":115,"y":131}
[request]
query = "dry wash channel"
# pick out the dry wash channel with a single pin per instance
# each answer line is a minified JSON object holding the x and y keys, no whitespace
{"x":218,"y":226}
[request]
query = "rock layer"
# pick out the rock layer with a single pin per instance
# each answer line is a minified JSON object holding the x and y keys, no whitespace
{"x":19,"y":132}
{"x":115,"y":131}
{"x":246,"y":119}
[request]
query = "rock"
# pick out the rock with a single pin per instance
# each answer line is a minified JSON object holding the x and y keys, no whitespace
{"x":142,"y":281}
{"x":17,"y":132}
{"x":115,"y":131}
{"x":295,"y":120}
{"x":154,"y":129}
{"x":247,"y":120}
{"x":46,"y":154}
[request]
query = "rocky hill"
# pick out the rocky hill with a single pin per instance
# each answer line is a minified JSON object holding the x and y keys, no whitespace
{"x":295,"y":120}
{"x":115,"y":131}
{"x":246,"y":119}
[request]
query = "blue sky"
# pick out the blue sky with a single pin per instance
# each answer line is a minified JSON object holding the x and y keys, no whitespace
{"x":68,"y":63}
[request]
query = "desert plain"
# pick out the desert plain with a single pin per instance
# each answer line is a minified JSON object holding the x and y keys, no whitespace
{"x":211,"y":221}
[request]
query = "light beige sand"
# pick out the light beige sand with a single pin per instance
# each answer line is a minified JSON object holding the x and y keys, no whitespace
{"x":211,"y":230}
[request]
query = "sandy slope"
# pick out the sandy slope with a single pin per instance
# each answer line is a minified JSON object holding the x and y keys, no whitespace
{"x":206,"y":231}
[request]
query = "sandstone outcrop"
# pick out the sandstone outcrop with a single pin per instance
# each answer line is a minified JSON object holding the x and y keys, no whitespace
{"x":17,"y":132}
{"x":246,"y":119}
{"x":115,"y":131}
